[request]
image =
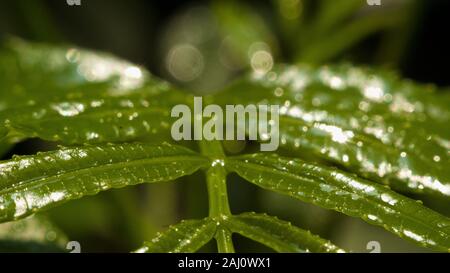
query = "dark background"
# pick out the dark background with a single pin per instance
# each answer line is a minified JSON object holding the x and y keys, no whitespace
{"x":131,"y":29}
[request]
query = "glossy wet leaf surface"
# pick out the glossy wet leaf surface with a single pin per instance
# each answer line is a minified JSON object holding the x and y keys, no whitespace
{"x":79,"y":96}
{"x":278,"y":234}
{"x":366,"y":121}
{"x":187,"y":236}
{"x":98,"y":120}
{"x":346,"y":193}
{"x":29,"y":184}
{"x":34,"y":72}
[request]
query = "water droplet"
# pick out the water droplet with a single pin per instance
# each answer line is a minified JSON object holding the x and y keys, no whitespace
{"x":68,"y":109}
{"x":327,"y":188}
{"x":96,"y":103}
{"x":92,"y":135}
{"x":388,"y":199}
{"x":39,"y":114}
{"x":72,"y":55}
{"x":413,"y":235}
{"x":219,"y":162}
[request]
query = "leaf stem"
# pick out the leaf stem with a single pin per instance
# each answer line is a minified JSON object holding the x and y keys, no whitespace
{"x":217,"y":192}
{"x":224,"y":240}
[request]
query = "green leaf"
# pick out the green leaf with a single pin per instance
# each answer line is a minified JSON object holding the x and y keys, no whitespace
{"x":33,"y":72}
{"x":33,"y":234}
{"x":94,"y":120}
{"x":346,"y":193}
{"x":392,"y":131}
{"x":216,"y":181}
{"x":224,"y":240}
{"x":185,"y":237}
{"x":30,"y":184}
{"x":277,"y":234}
{"x":78,"y":96}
